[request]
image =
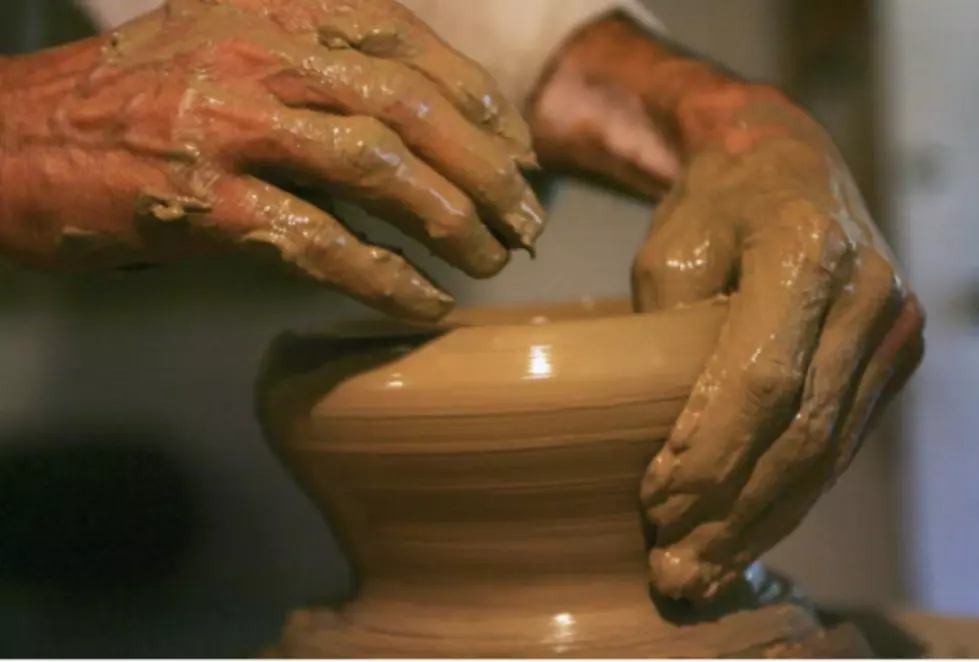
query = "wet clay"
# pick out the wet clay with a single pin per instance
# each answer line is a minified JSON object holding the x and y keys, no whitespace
{"x":233,"y":106}
{"x":481,"y":475}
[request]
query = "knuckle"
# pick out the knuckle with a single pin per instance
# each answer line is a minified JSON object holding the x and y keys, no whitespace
{"x":396,"y":90}
{"x":908,"y":330}
{"x":372,"y":147}
{"x":821,"y":238}
{"x":652,"y":261}
{"x":880,"y":274}
{"x":916,"y":314}
{"x":879,"y":285}
{"x":813,"y":434}
{"x":772,"y":383}
{"x":828,"y":242}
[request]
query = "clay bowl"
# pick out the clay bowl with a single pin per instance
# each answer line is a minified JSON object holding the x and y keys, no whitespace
{"x":483,"y":477}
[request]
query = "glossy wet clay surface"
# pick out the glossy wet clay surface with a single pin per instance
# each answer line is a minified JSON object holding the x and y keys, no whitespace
{"x":484,"y":480}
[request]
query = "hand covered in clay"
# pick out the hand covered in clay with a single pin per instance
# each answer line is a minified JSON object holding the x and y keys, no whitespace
{"x":209,"y":123}
{"x":822,"y":333}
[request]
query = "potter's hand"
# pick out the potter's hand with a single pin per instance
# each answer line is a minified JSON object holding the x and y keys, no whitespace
{"x":822,"y":332}
{"x":195,"y":127}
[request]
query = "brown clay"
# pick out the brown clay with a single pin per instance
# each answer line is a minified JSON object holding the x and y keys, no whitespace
{"x":483,"y":478}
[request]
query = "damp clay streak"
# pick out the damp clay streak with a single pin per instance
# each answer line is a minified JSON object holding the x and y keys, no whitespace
{"x":483,"y":475}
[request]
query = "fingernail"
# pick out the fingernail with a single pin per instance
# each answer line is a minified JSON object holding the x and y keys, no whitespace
{"x":409,"y":294}
{"x":512,"y":127}
{"x":528,"y":161}
{"x":424,"y":302}
{"x":444,"y":299}
{"x":488,"y":260}
{"x":481,"y":255}
{"x":527,"y":221}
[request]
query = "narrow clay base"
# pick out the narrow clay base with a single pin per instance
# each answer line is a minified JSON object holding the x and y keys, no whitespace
{"x":612,"y":618}
{"x":323,"y":634}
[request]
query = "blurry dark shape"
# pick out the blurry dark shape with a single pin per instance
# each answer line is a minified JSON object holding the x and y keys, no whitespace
{"x":829,"y":67}
{"x":961,"y":305}
{"x":545,"y":185}
{"x":138,"y":266}
{"x":93,"y":510}
{"x":828,"y":41}
{"x":926,"y":168}
{"x":29,"y":25}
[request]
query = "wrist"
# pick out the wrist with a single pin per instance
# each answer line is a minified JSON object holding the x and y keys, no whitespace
{"x":622,"y":60}
{"x":734,"y":116}
{"x":690,"y":101}
{"x":621,"y":103}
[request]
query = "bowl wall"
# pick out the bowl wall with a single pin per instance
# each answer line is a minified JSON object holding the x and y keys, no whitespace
{"x":444,"y":450}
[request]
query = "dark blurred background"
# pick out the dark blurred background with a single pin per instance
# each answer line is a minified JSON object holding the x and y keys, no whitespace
{"x":142,"y":515}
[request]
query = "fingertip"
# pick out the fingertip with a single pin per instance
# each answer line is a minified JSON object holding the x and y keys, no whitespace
{"x":414,"y":294}
{"x":421,"y":301}
{"x":524,"y":225}
{"x":681,"y":262}
{"x":680,"y":574}
{"x":674,"y":572}
{"x":385,"y":280}
{"x":487,"y":261}
{"x":465,"y":242}
{"x":433,"y":309}
{"x":644,"y":282}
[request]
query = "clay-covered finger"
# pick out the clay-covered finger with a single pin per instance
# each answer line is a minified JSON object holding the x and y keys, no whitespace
{"x":686,"y":258}
{"x":854,"y":328}
{"x":679,"y":570}
{"x":884,"y":377}
{"x":747,"y":394}
{"x":895,"y":361}
{"x":365,"y":162}
{"x":351,"y":83}
{"x":384,"y":29}
{"x":255,"y":214}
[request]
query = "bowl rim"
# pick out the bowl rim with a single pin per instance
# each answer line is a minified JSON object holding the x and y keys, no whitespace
{"x":493,"y":315}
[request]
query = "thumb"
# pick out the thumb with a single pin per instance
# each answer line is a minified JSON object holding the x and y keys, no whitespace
{"x":690,"y":255}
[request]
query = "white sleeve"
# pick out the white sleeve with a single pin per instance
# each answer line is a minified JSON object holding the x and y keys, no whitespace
{"x":514,"y":39}
{"x":107,"y":14}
